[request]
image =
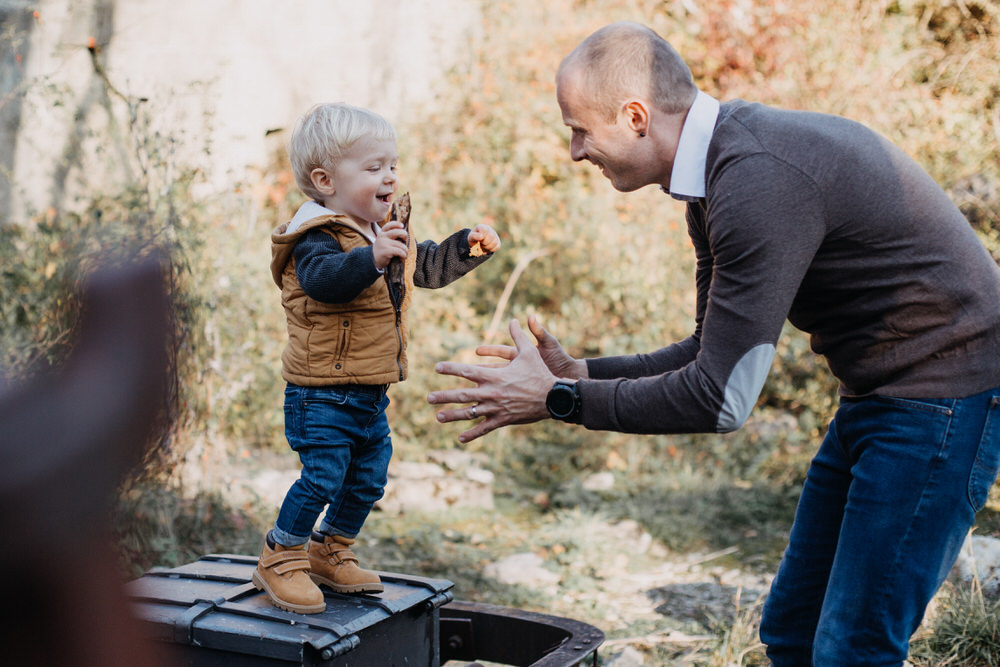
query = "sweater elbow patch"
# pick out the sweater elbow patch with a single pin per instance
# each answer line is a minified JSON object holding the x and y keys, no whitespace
{"x":744,"y":386}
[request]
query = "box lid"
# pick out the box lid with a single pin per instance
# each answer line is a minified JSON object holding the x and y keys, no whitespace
{"x":211,"y":603}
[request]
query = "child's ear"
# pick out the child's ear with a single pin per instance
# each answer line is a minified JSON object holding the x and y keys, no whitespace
{"x":322,"y":180}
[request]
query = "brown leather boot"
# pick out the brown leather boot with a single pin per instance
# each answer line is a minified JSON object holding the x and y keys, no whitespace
{"x":333,"y":564}
{"x":283,"y":573}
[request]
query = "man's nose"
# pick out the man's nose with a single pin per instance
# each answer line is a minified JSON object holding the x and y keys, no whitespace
{"x":576,"y":150}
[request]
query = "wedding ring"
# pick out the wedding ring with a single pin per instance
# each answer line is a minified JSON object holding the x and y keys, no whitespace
{"x":474,"y":413}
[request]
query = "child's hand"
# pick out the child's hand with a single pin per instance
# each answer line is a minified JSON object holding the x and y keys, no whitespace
{"x":483,"y":239}
{"x":390,"y":241}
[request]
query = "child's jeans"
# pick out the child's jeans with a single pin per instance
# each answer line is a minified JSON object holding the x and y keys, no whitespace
{"x":886,"y":506}
{"x":342,"y":437}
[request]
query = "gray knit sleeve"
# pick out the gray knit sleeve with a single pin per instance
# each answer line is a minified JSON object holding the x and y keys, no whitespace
{"x":441,"y":264}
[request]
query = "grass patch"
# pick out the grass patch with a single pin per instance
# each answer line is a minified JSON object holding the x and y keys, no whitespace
{"x":701,"y":512}
{"x":963,"y":631}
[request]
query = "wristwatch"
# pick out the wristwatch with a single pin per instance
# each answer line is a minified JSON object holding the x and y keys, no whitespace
{"x":563,"y":401}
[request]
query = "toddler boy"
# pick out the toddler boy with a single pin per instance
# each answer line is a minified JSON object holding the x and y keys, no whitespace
{"x":347,"y":335}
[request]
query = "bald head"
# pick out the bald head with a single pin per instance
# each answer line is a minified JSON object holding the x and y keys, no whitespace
{"x":625,"y":60}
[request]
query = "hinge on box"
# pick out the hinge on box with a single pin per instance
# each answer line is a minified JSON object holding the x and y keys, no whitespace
{"x":457,"y":640}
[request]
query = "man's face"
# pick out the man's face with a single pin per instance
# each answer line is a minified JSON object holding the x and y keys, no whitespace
{"x":610,"y":145}
{"x":365,"y":180}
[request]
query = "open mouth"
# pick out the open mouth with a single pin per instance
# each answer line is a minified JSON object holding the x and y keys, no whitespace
{"x":385,"y":199}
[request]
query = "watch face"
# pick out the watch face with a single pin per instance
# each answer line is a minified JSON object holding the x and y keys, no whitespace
{"x":561,"y":401}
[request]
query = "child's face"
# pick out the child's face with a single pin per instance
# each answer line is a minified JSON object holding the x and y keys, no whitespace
{"x":365,"y":180}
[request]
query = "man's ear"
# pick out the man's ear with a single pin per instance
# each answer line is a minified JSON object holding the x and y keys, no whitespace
{"x":322,"y":180}
{"x":636,"y":116}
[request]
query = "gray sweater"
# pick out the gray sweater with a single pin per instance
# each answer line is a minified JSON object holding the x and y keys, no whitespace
{"x":818,"y":220}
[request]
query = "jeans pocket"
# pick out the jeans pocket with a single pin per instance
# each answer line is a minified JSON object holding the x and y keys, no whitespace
{"x":316,"y":414}
{"x":987,"y":463}
{"x":912,"y":428}
{"x":941,"y":406}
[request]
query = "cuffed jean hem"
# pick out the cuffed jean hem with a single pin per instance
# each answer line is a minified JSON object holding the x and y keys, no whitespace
{"x":287,"y":539}
{"x":292,"y":541}
{"x":328,"y":529}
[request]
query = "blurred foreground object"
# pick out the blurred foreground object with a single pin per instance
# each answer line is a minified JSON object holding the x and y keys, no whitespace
{"x":68,"y":437}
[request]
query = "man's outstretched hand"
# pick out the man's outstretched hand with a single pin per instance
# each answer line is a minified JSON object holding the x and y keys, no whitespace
{"x":507,"y":393}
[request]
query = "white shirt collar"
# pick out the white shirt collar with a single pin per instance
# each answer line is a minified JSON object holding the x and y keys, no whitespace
{"x":687,"y":180}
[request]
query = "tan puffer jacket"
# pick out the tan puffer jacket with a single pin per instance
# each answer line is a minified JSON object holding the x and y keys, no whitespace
{"x":360,"y":342}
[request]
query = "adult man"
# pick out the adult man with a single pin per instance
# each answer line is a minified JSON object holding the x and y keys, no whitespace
{"x":818,"y":220}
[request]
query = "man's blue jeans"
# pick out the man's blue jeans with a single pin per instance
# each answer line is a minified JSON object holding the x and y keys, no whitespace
{"x":886,"y":505}
{"x":341,"y":435}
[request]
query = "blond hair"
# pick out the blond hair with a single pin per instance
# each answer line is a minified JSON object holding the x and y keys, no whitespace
{"x":324,"y":133}
{"x":625,"y":59}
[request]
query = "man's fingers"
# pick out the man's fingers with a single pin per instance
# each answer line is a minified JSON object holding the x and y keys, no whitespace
{"x":502,"y":351}
{"x":477,"y":431}
{"x":463,"y":413}
{"x":451,"y":396}
{"x":537,"y":330}
{"x":471,"y":372}
{"x":479,"y":401}
{"x":521,"y":340}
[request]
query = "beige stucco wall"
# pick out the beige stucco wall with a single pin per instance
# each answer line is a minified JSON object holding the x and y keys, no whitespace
{"x":219,"y":74}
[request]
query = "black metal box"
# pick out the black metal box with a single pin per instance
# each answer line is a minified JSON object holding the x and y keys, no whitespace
{"x":208,"y":613}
